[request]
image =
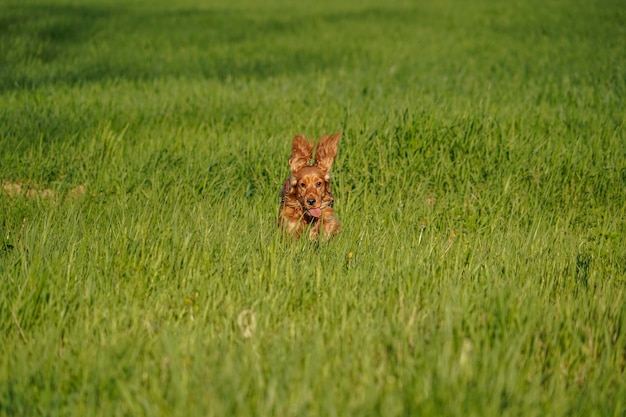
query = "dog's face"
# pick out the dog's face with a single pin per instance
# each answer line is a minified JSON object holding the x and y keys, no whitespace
{"x":310,"y":187}
{"x":311,"y":182}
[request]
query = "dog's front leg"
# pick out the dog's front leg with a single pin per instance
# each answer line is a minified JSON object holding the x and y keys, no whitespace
{"x":330,"y":227}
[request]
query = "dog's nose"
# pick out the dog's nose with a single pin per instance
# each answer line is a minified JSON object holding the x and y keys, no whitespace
{"x":311,"y":201}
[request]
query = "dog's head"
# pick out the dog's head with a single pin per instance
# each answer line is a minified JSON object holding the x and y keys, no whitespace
{"x":311,"y":183}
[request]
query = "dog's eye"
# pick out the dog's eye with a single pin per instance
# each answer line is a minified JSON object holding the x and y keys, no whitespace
{"x":319,"y":183}
{"x":303,"y":185}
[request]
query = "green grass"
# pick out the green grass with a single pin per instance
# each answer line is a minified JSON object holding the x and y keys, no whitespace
{"x":481,"y":183}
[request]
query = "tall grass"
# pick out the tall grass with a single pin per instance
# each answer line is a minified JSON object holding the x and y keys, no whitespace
{"x":481,"y":184}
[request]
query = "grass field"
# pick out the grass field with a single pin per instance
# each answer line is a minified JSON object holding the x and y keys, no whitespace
{"x":481,"y":183}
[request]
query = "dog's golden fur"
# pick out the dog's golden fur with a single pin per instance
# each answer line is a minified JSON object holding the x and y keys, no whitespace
{"x":306,"y":200}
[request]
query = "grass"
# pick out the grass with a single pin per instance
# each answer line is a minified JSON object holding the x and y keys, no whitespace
{"x":481,"y":183}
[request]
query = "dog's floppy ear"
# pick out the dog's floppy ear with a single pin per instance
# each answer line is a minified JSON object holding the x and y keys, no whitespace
{"x":327,"y":151}
{"x":301,"y":153}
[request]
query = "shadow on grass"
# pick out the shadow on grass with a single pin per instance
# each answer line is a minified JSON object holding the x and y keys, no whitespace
{"x":50,"y":44}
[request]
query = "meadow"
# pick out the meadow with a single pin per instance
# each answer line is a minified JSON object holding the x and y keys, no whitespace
{"x":481,"y":184}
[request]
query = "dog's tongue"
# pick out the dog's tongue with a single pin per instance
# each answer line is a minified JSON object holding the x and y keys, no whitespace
{"x":315,"y":212}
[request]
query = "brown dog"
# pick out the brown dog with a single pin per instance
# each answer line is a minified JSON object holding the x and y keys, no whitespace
{"x":306,"y":200}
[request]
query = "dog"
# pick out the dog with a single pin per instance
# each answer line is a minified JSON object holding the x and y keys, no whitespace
{"x":306,"y":200}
